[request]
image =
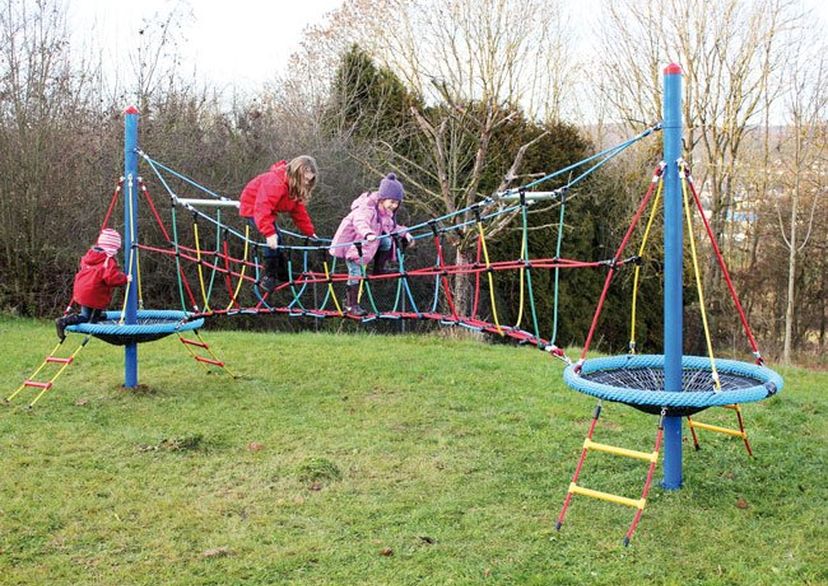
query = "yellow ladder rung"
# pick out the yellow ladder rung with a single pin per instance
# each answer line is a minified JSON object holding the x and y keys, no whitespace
{"x":646,"y":456}
{"x":717,"y":429}
{"x":605,"y":496}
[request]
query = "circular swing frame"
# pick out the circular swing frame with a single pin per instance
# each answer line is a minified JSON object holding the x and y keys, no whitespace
{"x":637,"y":380}
{"x":153,"y":324}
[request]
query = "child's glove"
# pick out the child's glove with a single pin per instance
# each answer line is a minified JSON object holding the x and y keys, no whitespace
{"x":370,"y":237}
{"x":273,"y":241}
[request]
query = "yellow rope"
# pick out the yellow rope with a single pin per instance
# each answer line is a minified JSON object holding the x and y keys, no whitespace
{"x":198,"y":265}
{"x":138,"y":276}
{"x":491,"y":280}
{"x":34,"y":374}
{"x":331,"y":289}
{"x":57,"y":374}
{"x":243,"y":269}
{"x":213,"y":354}
{"x":697,"y":273}
{"x":637,"y":272}
{"x":524,"y":253}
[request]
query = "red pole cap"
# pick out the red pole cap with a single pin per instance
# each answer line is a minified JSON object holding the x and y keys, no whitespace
{"x":131,"y":110}
{"x":672,"y":69}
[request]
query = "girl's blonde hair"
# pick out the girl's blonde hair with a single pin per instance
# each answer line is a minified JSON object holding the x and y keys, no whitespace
{"x":295,"y":171}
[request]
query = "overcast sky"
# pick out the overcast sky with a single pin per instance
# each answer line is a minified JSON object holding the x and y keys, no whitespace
{"x":235,"y":43}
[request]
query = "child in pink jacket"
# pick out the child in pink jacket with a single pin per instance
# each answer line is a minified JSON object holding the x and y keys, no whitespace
{"x":371,"y":221}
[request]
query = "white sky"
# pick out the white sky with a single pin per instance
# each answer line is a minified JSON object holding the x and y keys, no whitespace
{"x":237,"y":44}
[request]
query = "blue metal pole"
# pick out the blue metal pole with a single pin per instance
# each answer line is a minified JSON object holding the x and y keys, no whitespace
{"x":130,"y":192}
{"x":673,"y":269}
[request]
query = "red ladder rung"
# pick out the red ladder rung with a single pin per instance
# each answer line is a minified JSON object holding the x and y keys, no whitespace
{"x":60,"y":360}
{"x":209,"y":361}
{"x":38,"y":384}
{"x":193,"y":343}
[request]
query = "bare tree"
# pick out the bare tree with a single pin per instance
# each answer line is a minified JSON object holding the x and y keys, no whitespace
{"x":155,"y":61}
{"x":44,"y":142}
{"x":474,"y":64}
{"x":806,"y":101}
{"x":731,"y":53}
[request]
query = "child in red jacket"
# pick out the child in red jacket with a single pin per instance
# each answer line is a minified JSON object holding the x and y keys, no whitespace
{"x":284,"y":188}
{"x":99,"y":274}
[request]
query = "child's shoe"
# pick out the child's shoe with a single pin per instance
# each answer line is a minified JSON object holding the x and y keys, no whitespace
{"x":60,"y":326}
{"x":352,"y":305}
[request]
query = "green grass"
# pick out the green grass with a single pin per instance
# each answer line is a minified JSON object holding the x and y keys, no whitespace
{"x":364,"y":459}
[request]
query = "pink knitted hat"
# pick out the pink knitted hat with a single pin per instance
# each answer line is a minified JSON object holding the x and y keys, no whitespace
{"x":109,"y":241}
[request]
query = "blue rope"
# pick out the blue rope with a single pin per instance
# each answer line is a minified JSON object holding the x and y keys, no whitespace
{"x":613,"y":149}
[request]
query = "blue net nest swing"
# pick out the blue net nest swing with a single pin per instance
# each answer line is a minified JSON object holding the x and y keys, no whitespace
{"x":151,"y":325}
{"x":638,"y":380}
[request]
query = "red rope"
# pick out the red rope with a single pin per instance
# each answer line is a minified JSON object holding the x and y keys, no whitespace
{"x":111,"y":207}
{"x":154,"y":211}
{"x":443,"y":276}
{"x":647,"y":483}
{"x":578,"y":467}
{"x":157,"y":216}
{"x":611,"y":272}
{"x":723,"y":266}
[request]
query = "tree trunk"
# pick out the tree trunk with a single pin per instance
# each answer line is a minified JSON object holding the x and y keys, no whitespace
{"x":463,"y":286}
{"x":789,"y":305}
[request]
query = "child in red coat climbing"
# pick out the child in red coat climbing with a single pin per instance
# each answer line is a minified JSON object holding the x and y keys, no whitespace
{"x":99,"y":274}
{"x":285,"y":188}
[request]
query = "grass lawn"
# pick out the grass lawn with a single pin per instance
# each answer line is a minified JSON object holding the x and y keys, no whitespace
{"x":362,"y":459}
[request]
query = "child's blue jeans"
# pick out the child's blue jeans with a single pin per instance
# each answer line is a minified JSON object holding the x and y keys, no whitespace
{"x":355,"y":268}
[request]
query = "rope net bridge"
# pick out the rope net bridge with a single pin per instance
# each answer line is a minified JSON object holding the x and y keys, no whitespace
{"x":218,"y":266}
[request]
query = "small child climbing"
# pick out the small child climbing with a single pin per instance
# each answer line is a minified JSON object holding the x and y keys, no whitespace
{"x":284,"y":188}
{"x":369,"y":226}
{"x":99,"y":274}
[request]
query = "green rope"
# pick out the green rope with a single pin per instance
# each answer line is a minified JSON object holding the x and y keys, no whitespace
{"x":178,"y":261}
{"x":296,"y":296}
{"x":367,"y":285}
{"x":328,"y":289}
{"x":529,"y":272}
{"x":554,"y":335}
{"x":398,"y":295}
